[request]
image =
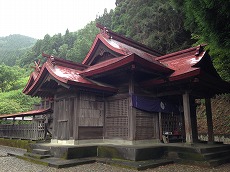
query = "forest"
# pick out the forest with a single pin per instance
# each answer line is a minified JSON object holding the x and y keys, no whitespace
{"x":163,"y":25}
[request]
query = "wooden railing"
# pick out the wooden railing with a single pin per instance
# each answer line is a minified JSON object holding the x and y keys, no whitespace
{"x":35,"y":130}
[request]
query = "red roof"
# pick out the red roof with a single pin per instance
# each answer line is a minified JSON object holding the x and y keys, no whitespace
{"x":121,"y":45}
{"x":122,"y":61}
{"x":188,"y":63}
{"x":124,"y":52}
{"x":63,"y":74}
{"x":182,"y":62}
{"x":28,"y":113}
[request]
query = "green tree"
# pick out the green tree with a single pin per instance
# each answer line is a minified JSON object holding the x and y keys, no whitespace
{"x":85,"y":38}
{"x":63,"y":50}
{"x":153,"y":23}
{"x":106,"y":19}
{"x":13,"y":47}
{"x":8,"y":77}
{"x":69,"y":38}
{"x":208,"y":20}
{"x":15,"y":101}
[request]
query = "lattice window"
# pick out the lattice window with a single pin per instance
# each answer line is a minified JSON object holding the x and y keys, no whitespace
{"x":117,"y":118}
{"x":117,"y":108}
{"x":117,"y":132}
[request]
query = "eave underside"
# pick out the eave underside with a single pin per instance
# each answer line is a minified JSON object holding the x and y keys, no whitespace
{"x":200,"y":86}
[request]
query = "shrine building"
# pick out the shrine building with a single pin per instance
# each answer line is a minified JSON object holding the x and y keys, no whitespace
{"x":126,"y":93}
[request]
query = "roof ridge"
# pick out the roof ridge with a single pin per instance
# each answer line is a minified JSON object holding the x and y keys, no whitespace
{"x":198,"y":49}
{"x":63,"y":62}
{"x":113,"y":35}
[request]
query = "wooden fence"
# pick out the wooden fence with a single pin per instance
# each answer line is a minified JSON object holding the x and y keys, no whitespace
{"x":35,"y":130}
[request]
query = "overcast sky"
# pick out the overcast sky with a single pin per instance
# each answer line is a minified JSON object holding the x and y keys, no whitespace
{"x":35,"y":18}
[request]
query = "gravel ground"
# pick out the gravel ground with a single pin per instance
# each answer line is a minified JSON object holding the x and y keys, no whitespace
{"x":12,"y":164}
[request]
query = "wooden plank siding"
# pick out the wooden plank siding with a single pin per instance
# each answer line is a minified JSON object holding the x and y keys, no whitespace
{"x":146,"y":125}
{"x":90,"y":132}
{"x":90,"y":117}
{"x":91,"y":110}
{"x":86,"y":115}
{"x":64,"y":116}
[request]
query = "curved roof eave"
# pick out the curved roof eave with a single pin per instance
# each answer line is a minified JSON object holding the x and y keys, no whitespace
{"x":46,"y":71}
{"x":29,"y":83}
{"x":122,"y":61}
{"x":35,"y":84}
{"x":182,"y":76}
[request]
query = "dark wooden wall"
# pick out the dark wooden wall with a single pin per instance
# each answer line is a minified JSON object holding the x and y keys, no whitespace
{"x":91,"y":116}
{"x":64,"y":116}
{"x":146,"y":125}
{"x":85,"y":115}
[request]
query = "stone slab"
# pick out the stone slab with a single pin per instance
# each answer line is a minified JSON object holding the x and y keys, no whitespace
{"x":137,"y":165}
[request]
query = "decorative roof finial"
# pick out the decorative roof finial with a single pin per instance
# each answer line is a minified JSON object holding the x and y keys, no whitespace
{"x":50,"y":58}
{"x":199,"y":49}
{"x":37,"y":66}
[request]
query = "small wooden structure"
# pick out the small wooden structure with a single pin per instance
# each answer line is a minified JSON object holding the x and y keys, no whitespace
{"x":30,"y":130}
{"x":125,"y":92}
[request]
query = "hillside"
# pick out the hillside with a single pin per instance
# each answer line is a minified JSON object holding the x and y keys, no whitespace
{"x":12,"y":47}
{"x":221,"y":115}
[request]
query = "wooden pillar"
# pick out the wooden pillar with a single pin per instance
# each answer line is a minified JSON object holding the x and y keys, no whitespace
{"x":13,"y":120}
{"x":193,"y":119}
{"x":187,"y":119}
{"x":132,"y":111}
{"x":104,"y":117}
{"x":160,"y":126}
{"x":55,"y":116}
{"x":209,"y":120}
{"x":76,"y":114}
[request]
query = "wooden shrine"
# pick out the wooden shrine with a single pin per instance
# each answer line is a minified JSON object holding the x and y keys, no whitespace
{"x":124,"y":92}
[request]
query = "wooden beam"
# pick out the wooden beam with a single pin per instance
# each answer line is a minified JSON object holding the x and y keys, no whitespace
{"x":169,"y":93}
{"x":209,"y":120}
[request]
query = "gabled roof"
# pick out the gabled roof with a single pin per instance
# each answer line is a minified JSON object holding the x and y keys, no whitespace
{"x":189,"y":63}
{"x":182,"y":62}
{"x":119,"y":44}
{"x":64,"y":73}
{"x":127,"y":41}
{"x":119,"y":62}
{"x":112,"y":53}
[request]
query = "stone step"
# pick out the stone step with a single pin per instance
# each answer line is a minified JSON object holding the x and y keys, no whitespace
{"x":215,"y":149}
{"x":219,"y":161}
{"x":36,"y":156}
{"x":214,"y":155}
{"x":41,"y":151}
{"x":63,"y":163}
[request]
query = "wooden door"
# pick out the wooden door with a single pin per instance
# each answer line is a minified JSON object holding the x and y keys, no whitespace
{"x":62,"y":120}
